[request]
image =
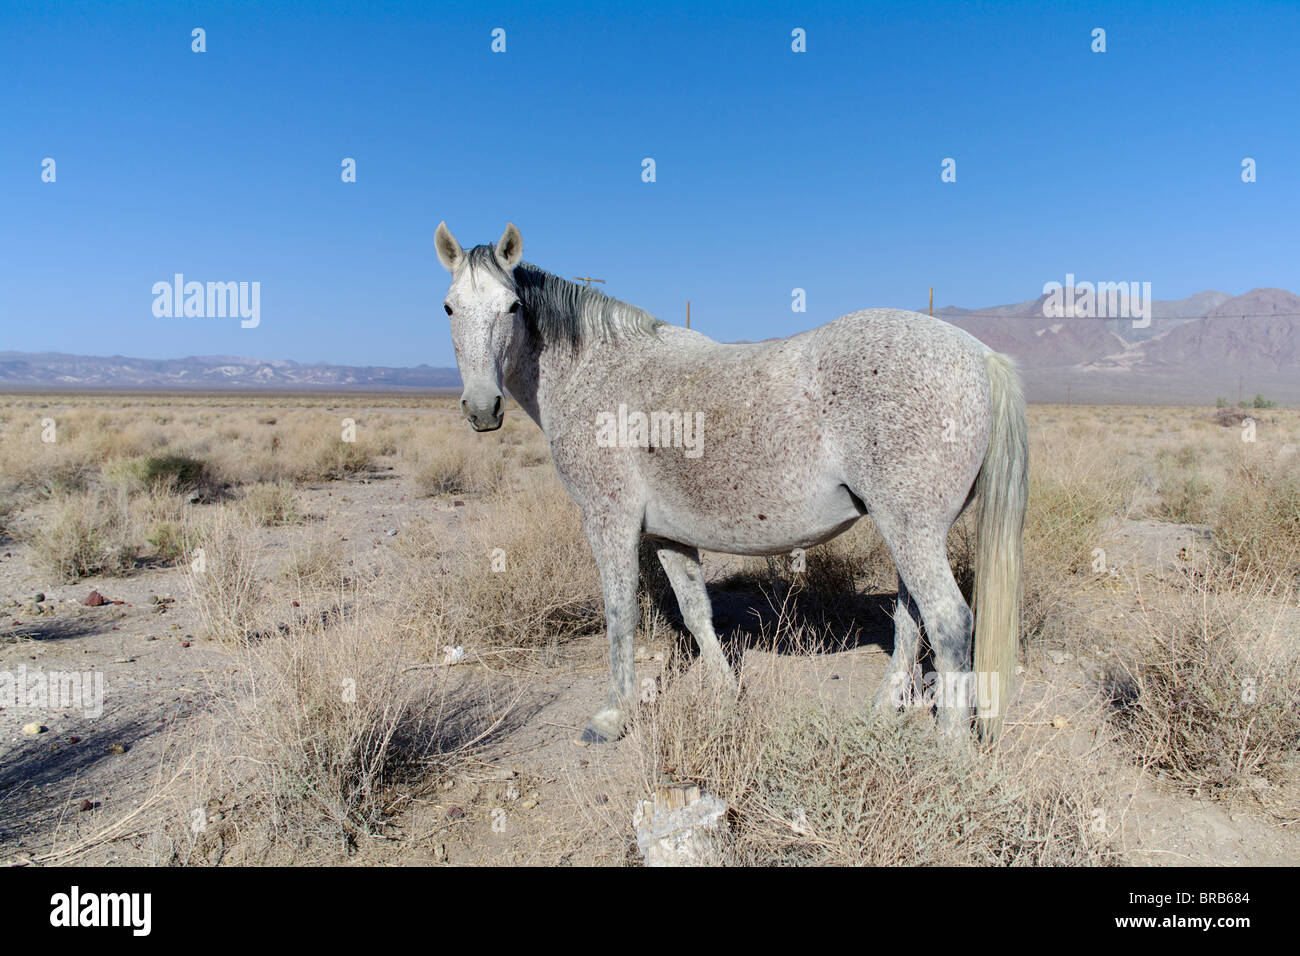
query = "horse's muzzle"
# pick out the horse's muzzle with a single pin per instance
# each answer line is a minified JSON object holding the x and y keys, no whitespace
{"x":484,"y":419}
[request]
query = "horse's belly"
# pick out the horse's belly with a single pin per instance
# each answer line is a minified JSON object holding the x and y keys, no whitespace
{"x":748,"y":525}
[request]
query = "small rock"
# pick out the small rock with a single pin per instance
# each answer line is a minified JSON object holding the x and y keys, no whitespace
{"x":1059,"y":721}
{"x":681,"y":826}
{"x":86,"y":805}
{"x":440,"y":853}
{"x":40,"y":597}
{"x":94,"y":599}
{"x":33,"y":729}
{"x":74,"y":740}
{"x":529,"y":803}
{"x":117,"y":749}
{"x":455,"y":813}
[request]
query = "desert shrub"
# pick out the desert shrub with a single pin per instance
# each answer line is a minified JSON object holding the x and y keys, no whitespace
{"x":460,"y":465}
{"x":159,"y":519}
{"x":82,"y":534}
{"x":1185,"y":494}
{"x":1210,"y":695}
{"x":315,"y":564}
{"x":329,"y":458}
{"x":1258,"y":525}
{"x":1062,"y":527}
{"x":523,"y":577}
{"x":179,"y":472}
{"x":272,"y":504}
{"x":810,"y":783}
{"x":220,"y":570}
{"x":341,"y":720}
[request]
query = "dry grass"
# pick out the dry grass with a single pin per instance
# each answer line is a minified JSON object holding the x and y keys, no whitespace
{"x":1258,"y":525}
{"x":1207,"y":693}
{"x":522,"y":577}
{"x":454,"y":466}
{"x":338,"y":724}
{"x":222,"y":575}
{"x":331,"y":730}
{"x":272,"y":504}
{"x":84,"y":533}
{"x":1206,"y":681}
{"x":810,"y":782}
{"x":315,"y":564}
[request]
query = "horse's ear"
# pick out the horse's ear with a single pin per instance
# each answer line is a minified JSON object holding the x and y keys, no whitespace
{"x":450,"y":254}
{"x":510,"y":247}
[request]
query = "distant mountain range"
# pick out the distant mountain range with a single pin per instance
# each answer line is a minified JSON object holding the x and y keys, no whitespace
{"x":1255,"y":332}
{"x":58,"y":370}
{"x":1207,"y":345}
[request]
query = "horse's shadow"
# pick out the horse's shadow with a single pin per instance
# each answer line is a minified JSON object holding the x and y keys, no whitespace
{"x":749,"y":613}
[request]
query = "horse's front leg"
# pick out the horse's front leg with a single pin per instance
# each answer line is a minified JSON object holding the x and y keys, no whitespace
{"x":614,"y":540}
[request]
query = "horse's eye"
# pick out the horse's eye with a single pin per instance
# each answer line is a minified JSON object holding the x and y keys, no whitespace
{"x":514,"y":306}
{"x":447,"y":308}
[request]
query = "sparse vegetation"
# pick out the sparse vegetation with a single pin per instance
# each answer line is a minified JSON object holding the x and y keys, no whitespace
{"x":222,"y":576}
{"x":525,"y":578}
{"x":472,"y":543}
{"x":342,"y":733}
{"x":84,"y":533}
{"x":272,"y":504}
{"x":1209,"y":696}
{"x":815,"y":783}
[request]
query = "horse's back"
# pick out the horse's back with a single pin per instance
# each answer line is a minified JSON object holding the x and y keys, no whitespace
{"x":909,"y":404}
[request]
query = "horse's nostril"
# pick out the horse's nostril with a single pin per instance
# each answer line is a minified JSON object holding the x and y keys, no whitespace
{"x":496,"y":408}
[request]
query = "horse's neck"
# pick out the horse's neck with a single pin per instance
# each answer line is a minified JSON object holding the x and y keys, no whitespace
{"x":536,"y":375}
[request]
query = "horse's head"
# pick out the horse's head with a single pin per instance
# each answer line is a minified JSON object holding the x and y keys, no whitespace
{"x":485,"y":318}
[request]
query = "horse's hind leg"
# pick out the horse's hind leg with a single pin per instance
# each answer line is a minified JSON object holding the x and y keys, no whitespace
{"x":897,"y":687}
{"x":682,"y":565}
{"x":922,"y":562}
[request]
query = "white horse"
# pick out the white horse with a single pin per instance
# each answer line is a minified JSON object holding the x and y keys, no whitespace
{"x":759,"y":449}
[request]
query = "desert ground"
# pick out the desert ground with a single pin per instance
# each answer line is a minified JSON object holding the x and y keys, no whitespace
{"x":344,"y":629}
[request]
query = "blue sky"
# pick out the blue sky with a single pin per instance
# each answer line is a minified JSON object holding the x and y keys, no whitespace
{"x":775,"y":169}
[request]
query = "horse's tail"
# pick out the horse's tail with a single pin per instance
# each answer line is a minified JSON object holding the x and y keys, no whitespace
{"x":1002,"y":487}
